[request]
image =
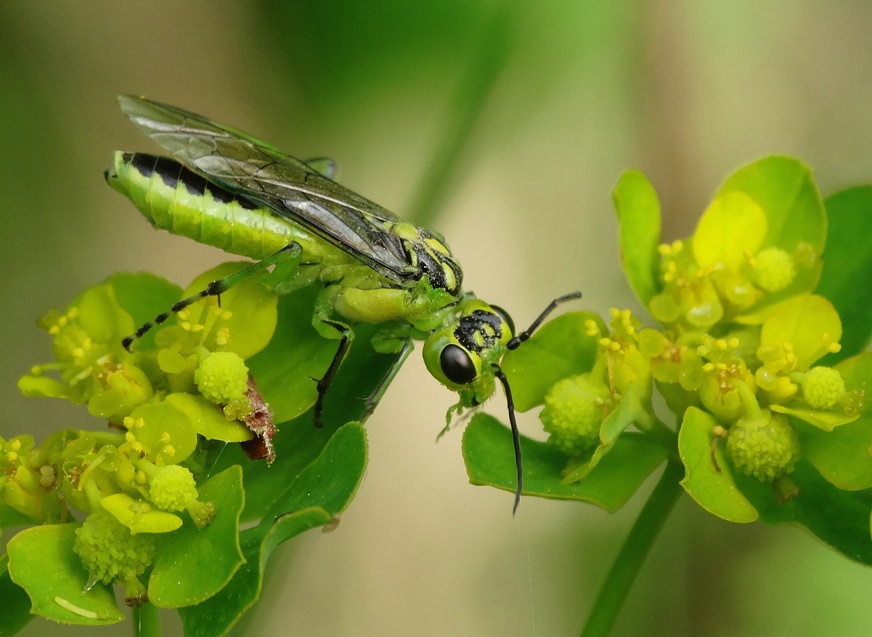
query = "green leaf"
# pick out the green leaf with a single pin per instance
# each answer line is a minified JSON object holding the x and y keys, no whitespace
{"x":824,"y":420}
{"x":159,"y":420}
{"x":321,"y":491}
{"x":842,"y":455}
{"x":490,"y":461}
{"x":838,"y":518}
{"x":10,"y":517}
{"x":809,"y":323}
{"x":207,"y":419}
{"x":299,"y":442}
{"x":709,"y":476}
{"x":332,"y":479}
{"x":253,"y":317}
{"x":16,"y":605}
{"x":731,"y":228}
{"x":785,"y":190}
{"x":559,"y":349}
{"x":143,"y":295}
{"x":296,"y":354}
{"x":847,"y":266}
{"x":638,"y":209}
{"x":42,"y":562}
{"x":151,"y":520}
{"x":218,"y":614}
{"x":213,"y":553}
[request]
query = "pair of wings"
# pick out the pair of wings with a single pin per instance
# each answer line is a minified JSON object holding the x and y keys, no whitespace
{"x":289,"y":187}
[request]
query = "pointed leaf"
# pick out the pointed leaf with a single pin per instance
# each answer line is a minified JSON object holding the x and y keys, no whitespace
{"x":331,"y":481}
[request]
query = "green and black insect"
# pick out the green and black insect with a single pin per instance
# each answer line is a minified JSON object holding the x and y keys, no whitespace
{"x":229,"y":190}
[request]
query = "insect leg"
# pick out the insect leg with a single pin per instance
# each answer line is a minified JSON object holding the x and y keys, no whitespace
{"x":378,"y":393}
{"x":327,"y":380}
{"x":216,"y":288}
{"x":523,"y":336}
{"x":516,"y":436}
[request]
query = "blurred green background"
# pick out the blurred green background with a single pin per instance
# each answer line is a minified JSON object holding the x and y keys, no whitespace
{"x":685,"y":91}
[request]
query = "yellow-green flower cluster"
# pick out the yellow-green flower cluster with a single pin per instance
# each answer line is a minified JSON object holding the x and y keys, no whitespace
{"x":740,"y":334}
{"x":576,"y":407}
{"x":111,"y":553}
{"x":765,"y":446}
{"x":182,"y":384}
{"x":823,"y":387}
{"x":222,"y":378}
{"x":573,"y":412}
{"x":29,"y":479}
{"x":739,"y":341}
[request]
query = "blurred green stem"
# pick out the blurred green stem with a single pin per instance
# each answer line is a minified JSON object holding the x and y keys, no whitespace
{"x":464,"y":113}
{"x":146,"y":622}
{"x":620,"y":579}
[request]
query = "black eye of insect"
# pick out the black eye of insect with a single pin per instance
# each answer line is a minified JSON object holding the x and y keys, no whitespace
{"x":457,"y":365}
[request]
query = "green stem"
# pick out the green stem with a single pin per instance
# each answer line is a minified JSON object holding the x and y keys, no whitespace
{"x":146,"y":622}
{"x":465,"y":110}
{"x":667,"y":437}
{"x":649,"y":423}
{"x":749,"y":398}
{"x":623,"y":573}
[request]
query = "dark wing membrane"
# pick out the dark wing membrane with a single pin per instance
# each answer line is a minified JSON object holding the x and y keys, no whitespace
{"x":241,"y":164}
{"x":323,"y":166}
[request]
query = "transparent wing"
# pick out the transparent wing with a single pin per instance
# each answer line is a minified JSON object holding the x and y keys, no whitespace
{"x":242,"y":164}
{"x":323,"y":166}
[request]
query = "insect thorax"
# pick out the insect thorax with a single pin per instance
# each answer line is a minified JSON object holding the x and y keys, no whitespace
{"x":430,"y":255}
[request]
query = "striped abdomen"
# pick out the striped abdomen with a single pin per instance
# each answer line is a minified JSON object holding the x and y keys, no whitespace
{"x":175,"y":199}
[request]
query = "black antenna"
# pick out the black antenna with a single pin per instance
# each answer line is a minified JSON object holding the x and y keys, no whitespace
{"x":516,"y":436}
{"x":514,"y":343}
{"x":523,"y":336}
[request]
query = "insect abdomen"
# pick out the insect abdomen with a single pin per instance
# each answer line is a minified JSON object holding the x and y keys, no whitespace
{"x":173,"y":198}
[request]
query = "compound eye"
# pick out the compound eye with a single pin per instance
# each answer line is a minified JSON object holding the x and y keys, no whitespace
{"x":457,"y":365}
{"x":506,"y":318}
